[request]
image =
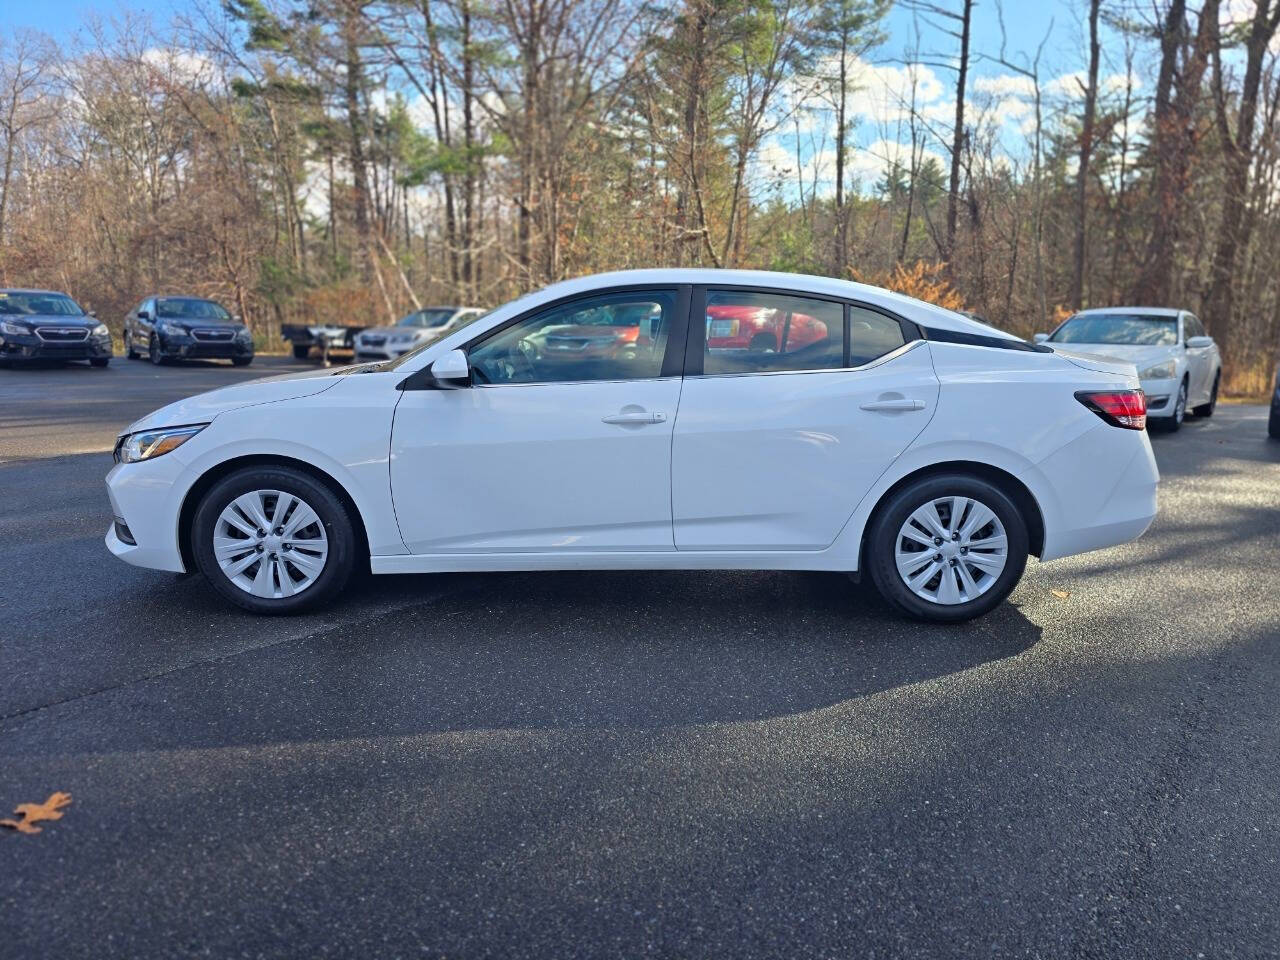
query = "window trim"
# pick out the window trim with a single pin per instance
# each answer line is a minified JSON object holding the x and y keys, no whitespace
{"x":697,"y":332}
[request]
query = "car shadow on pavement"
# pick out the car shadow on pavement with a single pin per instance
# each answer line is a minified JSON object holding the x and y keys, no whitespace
{"x":552,"y":650}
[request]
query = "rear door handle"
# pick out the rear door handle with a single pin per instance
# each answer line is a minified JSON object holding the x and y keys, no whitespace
{"x":888,"y":405}
{"x":638,"y":417}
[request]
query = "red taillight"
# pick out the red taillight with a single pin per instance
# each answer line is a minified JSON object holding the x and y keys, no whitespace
{"x":1120,"y":408}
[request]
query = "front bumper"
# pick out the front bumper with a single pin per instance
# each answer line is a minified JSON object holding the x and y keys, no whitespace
{"x":146,"y":500}
{"x":1161,"y":396}
{"x":32,"y":347}
{"x":382,"y":351}
{"x":187,"y":347}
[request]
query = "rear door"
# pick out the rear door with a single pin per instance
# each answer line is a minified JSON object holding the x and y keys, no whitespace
{"x":774,"y":447}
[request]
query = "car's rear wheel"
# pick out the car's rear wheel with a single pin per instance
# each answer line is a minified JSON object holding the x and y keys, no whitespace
{"x":99,"y":361}
{"x":301,"y":351}
{"x":1206,"y":409}
{"x":947,"y":548}
{"x":273,"y":540}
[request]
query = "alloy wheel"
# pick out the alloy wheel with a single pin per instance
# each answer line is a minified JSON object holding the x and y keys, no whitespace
{"x":270,"y":544}
{"x":1180,"y":405}
{"x":951,"y":550}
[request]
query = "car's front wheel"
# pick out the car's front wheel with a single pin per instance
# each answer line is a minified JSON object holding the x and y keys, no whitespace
{"x":948,"y":548}
{"x":273,"y":540}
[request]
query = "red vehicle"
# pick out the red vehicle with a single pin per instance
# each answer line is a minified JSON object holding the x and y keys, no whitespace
{"x":761,"y":329}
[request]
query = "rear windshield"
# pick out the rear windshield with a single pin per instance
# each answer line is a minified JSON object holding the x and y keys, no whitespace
{"x":183,"y":308}
{"x":1130,"y":328}
{"x":39,"y":304}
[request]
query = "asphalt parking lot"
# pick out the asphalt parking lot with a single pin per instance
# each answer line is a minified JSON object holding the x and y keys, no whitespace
{"x":625,"y":764}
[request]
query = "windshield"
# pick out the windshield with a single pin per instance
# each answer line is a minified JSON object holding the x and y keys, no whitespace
{"x":1120,"y":328}
{"x":39,"y":304}
{"x":183,"y":308}
{"x":426,"y":318}
{"x":464,"y":322}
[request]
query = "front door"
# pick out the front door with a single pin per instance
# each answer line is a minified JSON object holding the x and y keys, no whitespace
{"x":775,"y":446}
{"x":563,"y":442}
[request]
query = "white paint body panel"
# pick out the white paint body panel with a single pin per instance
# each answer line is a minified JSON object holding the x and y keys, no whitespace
{"x":770,"y":471}
{"x":534,"y":467}
{"x":778,"y":462}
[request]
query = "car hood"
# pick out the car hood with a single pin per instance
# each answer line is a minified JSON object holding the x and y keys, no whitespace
{"x":51,"y":320}
{"x":203,"y":407}
{"x":1139,"y":354}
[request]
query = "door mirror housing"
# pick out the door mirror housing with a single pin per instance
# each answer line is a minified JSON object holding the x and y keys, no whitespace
{"x":142,"y":315}
{"x":1041,"y":337}
{"x":451,"y":370}
{"x":1194,"y":342}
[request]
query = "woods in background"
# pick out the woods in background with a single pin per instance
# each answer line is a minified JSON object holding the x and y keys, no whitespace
{"x":346,"y":160}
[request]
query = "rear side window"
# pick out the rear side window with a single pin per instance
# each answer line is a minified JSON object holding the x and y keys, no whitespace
{"x":871,"y":335}
{"x":754,"y":332}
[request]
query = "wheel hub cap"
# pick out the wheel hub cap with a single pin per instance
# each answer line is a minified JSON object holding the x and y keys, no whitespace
{"x":951,"y":550}
{"x":270,"y":543}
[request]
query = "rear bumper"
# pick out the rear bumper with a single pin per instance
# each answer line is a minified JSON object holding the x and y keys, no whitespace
{"x":1118,"y":508}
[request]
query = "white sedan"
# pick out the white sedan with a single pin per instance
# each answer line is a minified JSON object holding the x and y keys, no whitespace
{"x":1179,"y":365}
{"x":410,"y":331}
{"x":596,"y":425}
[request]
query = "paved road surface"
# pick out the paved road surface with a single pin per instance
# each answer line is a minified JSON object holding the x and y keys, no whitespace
{"x":626,"y":764}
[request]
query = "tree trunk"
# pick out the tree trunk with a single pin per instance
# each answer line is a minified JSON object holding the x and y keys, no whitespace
{"x":1086,"y":151}
{"x":957,"y":136}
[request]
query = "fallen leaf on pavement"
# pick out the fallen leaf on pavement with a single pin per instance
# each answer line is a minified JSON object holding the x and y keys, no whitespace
{"x":33,"y":813}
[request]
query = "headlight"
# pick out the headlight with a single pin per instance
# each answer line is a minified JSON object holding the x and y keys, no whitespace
{"x":149,"y":444}
{"x":1166,"y":370}
{"x":242,"y":333}
{"x":101,"y":330}
{"x":14,"y":329}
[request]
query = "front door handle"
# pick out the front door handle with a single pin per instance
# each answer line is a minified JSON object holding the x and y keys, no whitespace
{"x":635,"y":416}
{"x":882,"y":405}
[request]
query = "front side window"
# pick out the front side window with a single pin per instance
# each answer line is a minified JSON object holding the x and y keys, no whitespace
{"x":1192,"y":327}
{"x":753,"y":332}
{"x":1118,"y":328}
{"x":618,"y":336}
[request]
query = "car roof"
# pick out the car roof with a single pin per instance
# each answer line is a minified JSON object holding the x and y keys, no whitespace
{"x":1137,"y":311}
{"x":926,"y":314}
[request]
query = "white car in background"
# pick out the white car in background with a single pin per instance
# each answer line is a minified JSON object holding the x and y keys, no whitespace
{"x":1179,"y":365}
{"x":890,"y":437}
{"x":421,"y":326}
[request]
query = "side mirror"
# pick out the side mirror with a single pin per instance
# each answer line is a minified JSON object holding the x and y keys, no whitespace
{"x":451,"y":370}
{"x":142,"y":314}
{"x":235,"y":318}
{"x":1041,"y":337}
{"x":94,"y":314}
{"x":1196,"y":342}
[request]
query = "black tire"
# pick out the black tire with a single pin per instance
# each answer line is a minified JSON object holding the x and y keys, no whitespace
{"x":154,"y":352}
{"x":241,"y":361}
{"x":129,"y":352}
{"x":338,"y":527}
{"x":301,"y":351}
{"x":1273,"y":422}
{"x":881,"y":545}
{"x":1206,"y":409}
{"x":99,"y":362}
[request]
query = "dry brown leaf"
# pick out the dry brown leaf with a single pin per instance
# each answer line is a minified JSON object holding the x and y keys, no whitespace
{"x":33,"y":813}
{"x":1060,"y":594}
